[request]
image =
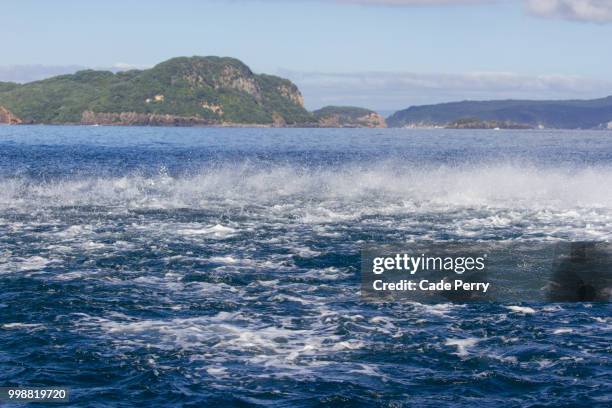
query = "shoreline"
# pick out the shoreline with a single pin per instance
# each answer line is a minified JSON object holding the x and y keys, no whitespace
{"x":215,"y":126}
{"x":313,"y":126}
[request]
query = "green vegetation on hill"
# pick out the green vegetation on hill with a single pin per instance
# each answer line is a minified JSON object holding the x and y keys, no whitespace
{"x":7,"y":86}
{"x":572,"y":114}
{"x":215,"y":89}
{"x":472,"y":123}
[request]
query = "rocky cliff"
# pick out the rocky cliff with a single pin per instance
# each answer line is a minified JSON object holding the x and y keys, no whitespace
{"x":348,"y":116}
{"x":140,"y":119}
{"x":8,"y":118}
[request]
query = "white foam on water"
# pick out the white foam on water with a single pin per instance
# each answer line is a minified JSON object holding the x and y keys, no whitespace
{"x":229,"y":260}
{"x":462,"y":345}
{"x":217,"y":231}
{"x":68,"y":276}
{"x":231,"y":335}
{"x":305,"y":252}
{"x":327,"y":274}
{"x":440,"y":309}
{"x":91,"y":245}
{"x":370,"y":370}
{"x":468,"y":200}
{"x":326,"y":215}
{"x":23,"y":326}
{"x":508,"y":185}
{"x":521,"y":309}
{"x":217,"y":372}
{"x":563,"y":330}
{"x":29,"y":264}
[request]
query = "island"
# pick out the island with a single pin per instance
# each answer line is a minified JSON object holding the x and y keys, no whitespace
{"x":183,"y":91}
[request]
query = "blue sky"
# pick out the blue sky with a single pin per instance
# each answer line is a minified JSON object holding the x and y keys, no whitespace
{"x":385,"y":54}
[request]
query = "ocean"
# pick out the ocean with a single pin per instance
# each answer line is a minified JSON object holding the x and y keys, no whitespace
{"x":198,"y":267}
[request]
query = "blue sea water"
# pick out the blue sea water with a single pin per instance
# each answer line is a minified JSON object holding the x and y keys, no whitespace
{"x":198,"y":267}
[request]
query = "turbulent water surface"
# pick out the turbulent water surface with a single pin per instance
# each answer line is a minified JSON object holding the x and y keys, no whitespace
{"x":161,"y":267}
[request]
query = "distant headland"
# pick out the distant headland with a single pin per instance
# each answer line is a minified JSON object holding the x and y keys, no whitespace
{"x":184,"y":91}
{"x":509,"y":114}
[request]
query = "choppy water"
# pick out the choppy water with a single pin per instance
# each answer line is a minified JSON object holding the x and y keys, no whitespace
{"x":193,"y":267}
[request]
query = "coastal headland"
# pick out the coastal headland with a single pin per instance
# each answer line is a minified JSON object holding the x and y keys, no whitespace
{"x":184,"y":91}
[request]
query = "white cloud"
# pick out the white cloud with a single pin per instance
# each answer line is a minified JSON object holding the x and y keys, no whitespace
{"x":414,"y":2}
{"x":580,"y":10}
{"x":599,"y":11}
{"x":392,"y":91}
{"x":126,"y":66}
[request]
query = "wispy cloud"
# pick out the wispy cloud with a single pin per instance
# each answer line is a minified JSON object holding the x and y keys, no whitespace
{"x":389,"y":91}
{"x":126,"y":66}
{"x":599,"y":11}
{"x":415,"y":2}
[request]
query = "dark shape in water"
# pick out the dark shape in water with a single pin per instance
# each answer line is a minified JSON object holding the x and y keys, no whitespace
{"x":581,"y":273}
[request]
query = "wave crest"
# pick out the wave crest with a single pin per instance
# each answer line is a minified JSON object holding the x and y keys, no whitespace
{"x":501,"y":185}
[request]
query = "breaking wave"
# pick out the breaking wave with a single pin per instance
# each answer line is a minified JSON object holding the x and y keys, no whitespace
{"x":492,"y":185}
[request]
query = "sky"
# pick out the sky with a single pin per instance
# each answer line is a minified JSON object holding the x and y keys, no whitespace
{"x":381,"y":54}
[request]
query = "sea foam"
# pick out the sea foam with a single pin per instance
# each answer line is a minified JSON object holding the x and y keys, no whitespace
{"x":409,"y":187}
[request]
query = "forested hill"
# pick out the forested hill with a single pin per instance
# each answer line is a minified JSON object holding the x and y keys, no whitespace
{"x":570,"y":114}
{"x":180,"y":91}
